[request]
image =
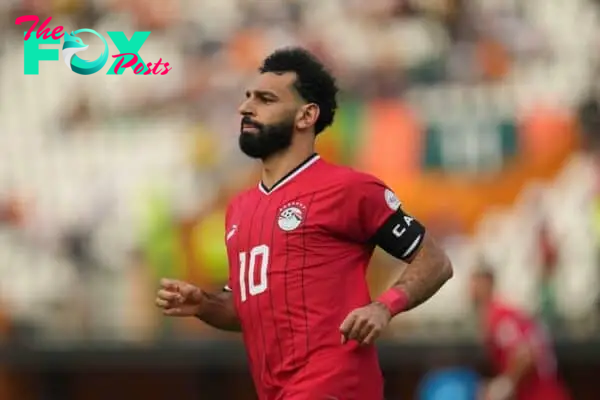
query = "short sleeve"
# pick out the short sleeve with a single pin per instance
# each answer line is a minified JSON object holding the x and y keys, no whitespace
{"x":370,"y":203}
{"x":228,"y":232}
{"x":507,"y":333}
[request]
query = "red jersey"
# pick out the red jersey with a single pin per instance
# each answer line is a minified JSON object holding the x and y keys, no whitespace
{"x":298,"y":255}
{"x":507,"y":329}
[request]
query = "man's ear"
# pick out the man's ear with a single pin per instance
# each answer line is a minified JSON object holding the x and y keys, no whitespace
{"x":307,"y":116}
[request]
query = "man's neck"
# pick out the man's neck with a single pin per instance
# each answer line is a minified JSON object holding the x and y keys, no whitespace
{"x":279,"y":165}
{"x":484,"y":308}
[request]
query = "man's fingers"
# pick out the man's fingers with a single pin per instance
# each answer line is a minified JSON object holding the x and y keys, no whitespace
{"x":346,"y":326}
{"x":354,"y":327}
{"x":360,"y":324}
{"x":168,"y":299}
{"x":160,"y":303}
{"x":373,"y":334}
{"x":364,"y":331}
{"x":173,"y":312}
{"x":170,"y":284}
{"x":186,"y":291}
{"x":168,"y":295}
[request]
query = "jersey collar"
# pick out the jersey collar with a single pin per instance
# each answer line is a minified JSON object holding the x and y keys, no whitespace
{"x":290,"y":175}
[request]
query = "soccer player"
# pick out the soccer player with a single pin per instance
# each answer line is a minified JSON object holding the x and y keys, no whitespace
{"x":519,"y":347}
{"x":299,"y":244}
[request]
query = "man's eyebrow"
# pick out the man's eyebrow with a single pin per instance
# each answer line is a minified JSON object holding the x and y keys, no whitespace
{"x":262,"y":93}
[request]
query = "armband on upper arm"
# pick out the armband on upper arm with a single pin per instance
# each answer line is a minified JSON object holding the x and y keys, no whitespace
{"x":401,"y":236}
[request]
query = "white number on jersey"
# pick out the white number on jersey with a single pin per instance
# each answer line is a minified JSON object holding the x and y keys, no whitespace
{"x":248,"y":269}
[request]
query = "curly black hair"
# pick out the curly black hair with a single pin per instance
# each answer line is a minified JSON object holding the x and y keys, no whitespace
{"x":314,"y":82}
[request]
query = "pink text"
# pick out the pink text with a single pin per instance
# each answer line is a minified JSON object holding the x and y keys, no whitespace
{"x":140,"y":67}
{"x":42,"y":30}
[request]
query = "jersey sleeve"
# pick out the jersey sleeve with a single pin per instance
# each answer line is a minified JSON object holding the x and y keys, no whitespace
{"x":507,"y":333}
{"x":228,"y":287}
{"x":375,"y":215}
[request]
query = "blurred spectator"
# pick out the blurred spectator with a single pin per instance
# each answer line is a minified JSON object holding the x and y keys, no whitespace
{"x":547,"y":290}
{"x":589,"y":117}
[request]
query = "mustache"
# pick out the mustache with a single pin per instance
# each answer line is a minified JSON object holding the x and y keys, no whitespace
{"x":248,"y":121}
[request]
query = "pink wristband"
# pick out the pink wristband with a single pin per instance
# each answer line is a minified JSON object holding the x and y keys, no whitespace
{"x":396,"y":300}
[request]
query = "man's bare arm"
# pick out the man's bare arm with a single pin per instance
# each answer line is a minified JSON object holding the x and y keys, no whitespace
{"x":423,"y":277}
{"x":182,"y":299}
{"x":520,"y":363}
{"x":425,"y":273}
{"x":218,"y":311}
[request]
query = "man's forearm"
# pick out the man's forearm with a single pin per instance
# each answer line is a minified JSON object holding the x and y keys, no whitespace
{"x":503,"y":387}
{"x":425,"y":274}
{"x":218,"y":311}
{"x":520,"y":363}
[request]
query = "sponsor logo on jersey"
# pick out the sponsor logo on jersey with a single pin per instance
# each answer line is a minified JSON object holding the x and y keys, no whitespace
{"x":392,"y":201}
{"x":231,"y":232}
{"x":291,"y":216}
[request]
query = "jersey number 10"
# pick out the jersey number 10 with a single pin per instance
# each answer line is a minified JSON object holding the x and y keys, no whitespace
{"x":258,"y":255}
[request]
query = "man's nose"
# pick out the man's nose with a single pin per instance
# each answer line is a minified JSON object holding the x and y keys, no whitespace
{"x":246,"y":109}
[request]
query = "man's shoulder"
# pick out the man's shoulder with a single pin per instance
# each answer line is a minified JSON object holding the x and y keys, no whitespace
{"x":240,"y":198}
{"x":348,"y":183}
{"x":498,"y":310}
{"x":346,"y":177}
{"x":502,"y":314}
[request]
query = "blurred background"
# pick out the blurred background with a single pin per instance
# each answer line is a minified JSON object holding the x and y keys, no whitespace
{"x":483,"y":115}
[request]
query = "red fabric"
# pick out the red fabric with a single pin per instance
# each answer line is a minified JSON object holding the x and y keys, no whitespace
{"x":298,"y":257}
{"x":507,"y":330}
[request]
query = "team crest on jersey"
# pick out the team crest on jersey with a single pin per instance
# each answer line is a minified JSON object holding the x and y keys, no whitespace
{"x":392,"y":201}
{"x":291,"y":216}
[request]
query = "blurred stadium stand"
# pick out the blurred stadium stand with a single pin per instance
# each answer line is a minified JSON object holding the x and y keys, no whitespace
{"x":483,"y":115}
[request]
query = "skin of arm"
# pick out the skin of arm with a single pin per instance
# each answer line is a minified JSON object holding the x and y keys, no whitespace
{"x":218,"y":311}
{"x":425,"y":274}
{"x":520,"y":363}
{"x":182,"y":299}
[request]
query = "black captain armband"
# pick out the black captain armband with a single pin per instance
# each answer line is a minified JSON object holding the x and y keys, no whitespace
{"x":401,"y":236}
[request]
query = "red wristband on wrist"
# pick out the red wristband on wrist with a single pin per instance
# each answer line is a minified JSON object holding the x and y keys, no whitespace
{"x":396,"y":300}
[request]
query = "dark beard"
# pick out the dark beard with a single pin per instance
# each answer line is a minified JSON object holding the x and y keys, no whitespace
{"x":269,"y":140}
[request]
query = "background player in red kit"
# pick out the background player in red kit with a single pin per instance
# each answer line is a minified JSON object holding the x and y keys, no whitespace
{"x":299,"y":244}
{"x":519,"y":347}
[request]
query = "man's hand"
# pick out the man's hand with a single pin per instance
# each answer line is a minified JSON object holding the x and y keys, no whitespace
{"x":500,"y":388}
{"x":179,"y":299}
{"x":365,"y":324}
